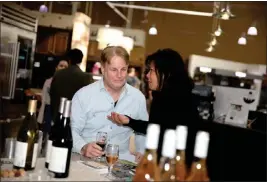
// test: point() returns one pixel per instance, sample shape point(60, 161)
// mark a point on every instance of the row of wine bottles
point(59, 145)
point(172, 165)
point(60, 142)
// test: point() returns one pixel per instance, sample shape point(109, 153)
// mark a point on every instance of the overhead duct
point(166, 10)
point(117, 11)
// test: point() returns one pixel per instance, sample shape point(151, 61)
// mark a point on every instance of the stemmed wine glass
point(101, 140)
point(112, 155)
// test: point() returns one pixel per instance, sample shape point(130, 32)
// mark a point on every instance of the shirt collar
point(125, 88)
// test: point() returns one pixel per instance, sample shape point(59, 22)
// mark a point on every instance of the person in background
point(172, 99)
point(132, 79)
point(44, 115)
point(92, 104)
point(68, 81)
point(96, 68)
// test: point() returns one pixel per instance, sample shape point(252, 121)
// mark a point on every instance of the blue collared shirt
point(90, 107)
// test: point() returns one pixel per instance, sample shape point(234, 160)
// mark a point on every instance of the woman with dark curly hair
point(172, 102)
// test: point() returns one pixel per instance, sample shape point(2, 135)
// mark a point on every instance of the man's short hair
point(75, 56)
point(110, 51)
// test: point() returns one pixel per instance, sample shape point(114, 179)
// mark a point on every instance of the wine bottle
point(198, 171)
point(147, 170)
point(167, 161)
point(54, 130)
point(181, 137)
point(61, 147)
point(26, 149)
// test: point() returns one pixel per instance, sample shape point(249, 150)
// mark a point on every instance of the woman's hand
point(118, 118)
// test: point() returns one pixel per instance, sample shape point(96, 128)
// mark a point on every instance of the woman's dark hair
point(59, 59)
point(170, 70)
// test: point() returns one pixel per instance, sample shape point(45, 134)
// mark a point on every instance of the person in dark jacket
point(172, 102)
point(68, 81)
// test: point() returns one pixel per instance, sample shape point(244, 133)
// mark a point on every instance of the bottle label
point(35, 154)
point(58, 159)
point(20, 154)
point(48, 151)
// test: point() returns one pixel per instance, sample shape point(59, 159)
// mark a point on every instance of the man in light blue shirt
point(92, 104)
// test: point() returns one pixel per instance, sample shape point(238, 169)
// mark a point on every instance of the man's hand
point(92, 150)
point(118, 118)
point(138, 157)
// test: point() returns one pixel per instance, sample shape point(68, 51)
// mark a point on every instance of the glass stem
point(109, 170)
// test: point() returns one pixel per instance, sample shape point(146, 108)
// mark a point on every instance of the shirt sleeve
point(41, 110)
point(78, 120)
point(143, 115)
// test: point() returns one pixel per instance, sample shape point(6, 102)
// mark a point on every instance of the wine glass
point(101, 140)
point(112, 155)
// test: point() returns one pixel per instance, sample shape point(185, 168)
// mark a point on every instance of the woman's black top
point(168, 109)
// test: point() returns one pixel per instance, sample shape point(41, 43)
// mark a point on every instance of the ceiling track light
point(214, 41)
point(225, 13)
point(210, 49)
point(218, 31)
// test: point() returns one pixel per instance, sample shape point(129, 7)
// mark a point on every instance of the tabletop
point(78, 172)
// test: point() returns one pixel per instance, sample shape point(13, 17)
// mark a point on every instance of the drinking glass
point(112, 155)
point(101, 140)
point(10, 148)
point(39, 175)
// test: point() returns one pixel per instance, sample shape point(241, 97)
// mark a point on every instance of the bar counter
point(78, 172)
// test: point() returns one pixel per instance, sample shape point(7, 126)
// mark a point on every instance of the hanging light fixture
point(242, 40)
point(252, 30)
point(225, 13)
point(43, 8)
point(153, 30)
point(218, 32)
point(229, 10)
point(214, 41)
point(107, 35)
point(210, 49)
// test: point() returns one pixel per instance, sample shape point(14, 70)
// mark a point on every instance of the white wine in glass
point(112, 155)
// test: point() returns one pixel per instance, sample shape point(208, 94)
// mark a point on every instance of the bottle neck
point(32, 107)
point(32, 113)
point(67, 108)
point(58, 118)
point(151, 154)
point(180, 155)
point(62, 105)
point(66, 121)
point(199, 163)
